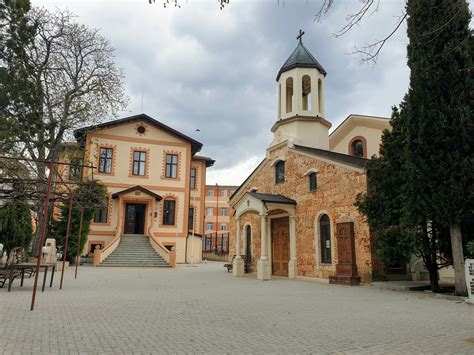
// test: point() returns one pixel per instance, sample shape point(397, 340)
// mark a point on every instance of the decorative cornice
point(302, 119)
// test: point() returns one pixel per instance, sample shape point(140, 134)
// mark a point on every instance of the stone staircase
point(135, 250)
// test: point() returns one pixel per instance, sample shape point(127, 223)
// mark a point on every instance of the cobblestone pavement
point(203, 309)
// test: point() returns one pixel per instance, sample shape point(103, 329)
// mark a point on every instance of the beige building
point(217, 208)
point(156, 186)
point(294, 215)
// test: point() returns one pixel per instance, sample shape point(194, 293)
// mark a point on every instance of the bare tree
point(77, 83)
point(371, 50)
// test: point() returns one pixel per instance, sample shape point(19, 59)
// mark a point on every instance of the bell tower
point(301, 100)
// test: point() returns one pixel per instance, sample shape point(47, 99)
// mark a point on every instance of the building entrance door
point(280, 246)
point(134, 218)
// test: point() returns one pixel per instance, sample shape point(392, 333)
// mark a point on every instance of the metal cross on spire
point(300, 36)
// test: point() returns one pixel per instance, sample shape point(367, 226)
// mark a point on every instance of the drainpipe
point(189, 205)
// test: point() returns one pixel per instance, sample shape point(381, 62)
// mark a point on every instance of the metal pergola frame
point(31, 193)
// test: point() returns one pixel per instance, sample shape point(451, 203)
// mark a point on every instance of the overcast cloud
point(200, 67)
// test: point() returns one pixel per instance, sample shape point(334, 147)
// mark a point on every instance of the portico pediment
point(254, 202)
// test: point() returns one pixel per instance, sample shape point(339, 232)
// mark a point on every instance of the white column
point(238, 263)
point(263, 265)
point(292, 264)
point(298, 92)
point(314, 96)
point(283, 99)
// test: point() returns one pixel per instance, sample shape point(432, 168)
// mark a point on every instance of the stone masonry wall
point(337, 188)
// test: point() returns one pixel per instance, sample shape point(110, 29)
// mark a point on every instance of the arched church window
point(325, 239)
point(306, 92)
point(357, 148)
point(248, 241)
point(289, 95)
point(280, 172)
point(320, 95)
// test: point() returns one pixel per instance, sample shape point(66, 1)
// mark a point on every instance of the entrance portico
point(269, 207)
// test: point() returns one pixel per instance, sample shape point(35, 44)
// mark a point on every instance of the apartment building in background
point(217, 209)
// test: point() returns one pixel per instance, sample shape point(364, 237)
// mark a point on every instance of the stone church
point(294, 215)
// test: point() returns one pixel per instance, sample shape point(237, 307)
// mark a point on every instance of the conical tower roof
point(301, 58)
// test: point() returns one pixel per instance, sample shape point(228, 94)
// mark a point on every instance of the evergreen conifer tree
point(15, 225)
point(440, 127)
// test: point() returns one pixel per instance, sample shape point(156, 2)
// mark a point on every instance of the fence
point(216, 243)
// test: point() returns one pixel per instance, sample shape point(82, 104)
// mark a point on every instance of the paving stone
point(204, 310)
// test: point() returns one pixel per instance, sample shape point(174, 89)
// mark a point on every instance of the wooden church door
point(280, 246)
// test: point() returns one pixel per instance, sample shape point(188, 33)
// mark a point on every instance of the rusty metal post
point(43, 232)
point(79, 241)
point(68, 228)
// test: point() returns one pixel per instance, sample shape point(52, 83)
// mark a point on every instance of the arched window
point(325, 239)
point(289, 95)
point(248, 241)
point(320, 95)
point(306, 92)
point(313, 182)
point(357, 147)
point(280, 172)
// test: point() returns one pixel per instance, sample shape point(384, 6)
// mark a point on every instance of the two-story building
point(156, 188)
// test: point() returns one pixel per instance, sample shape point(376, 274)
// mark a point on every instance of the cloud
point(200, 67)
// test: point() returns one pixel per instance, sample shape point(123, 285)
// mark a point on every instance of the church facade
point(294, 215)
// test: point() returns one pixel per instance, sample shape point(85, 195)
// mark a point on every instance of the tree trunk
point(434, 283)
point(39, 207)
point(458, 258)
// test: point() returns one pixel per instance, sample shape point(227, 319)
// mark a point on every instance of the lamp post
point(194, 209)
point(217, 215)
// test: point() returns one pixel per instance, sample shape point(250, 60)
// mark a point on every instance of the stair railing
point(101, 254)
point(168, 255)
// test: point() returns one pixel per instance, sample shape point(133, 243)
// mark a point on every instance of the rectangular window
point(139, 163)
point(193, 178)
point(75, 169)
point(224, 193)
point(224, 211)
point(105, 160)
point(169, 207)
point(210, 192)
point(223, 226)
point(171, 166)
point(191, 218)
point(100, 215)
point(280, 172)
point(313, 182)
point(210, 226)
point(210, 211)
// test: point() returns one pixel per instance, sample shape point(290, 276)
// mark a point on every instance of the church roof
point(301, 58)
point(342, 158)
point(270, 198)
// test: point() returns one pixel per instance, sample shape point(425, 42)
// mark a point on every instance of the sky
point(199, 67)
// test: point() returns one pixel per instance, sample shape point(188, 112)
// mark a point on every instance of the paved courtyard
point(203, 309)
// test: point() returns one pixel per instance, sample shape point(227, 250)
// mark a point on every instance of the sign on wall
point(469, 264)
